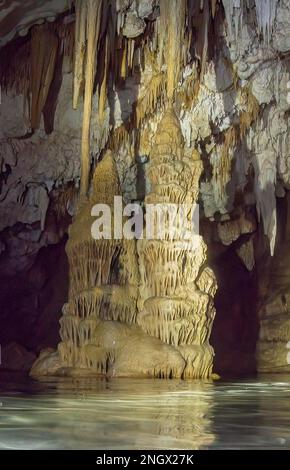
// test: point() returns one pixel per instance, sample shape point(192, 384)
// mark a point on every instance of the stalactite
point(103, 86)
point(96, 24)
point(225, 164)
point(265, 182)
point(44, 45)
point(27, 65)
point(213, 7)
point(266, 15)
point(199, 17)
point(93, 26)
point(80, 48)
point(131, 53)
point(66, 33)
point(222, 158)
point(172, 20)
point(15, 67)
point(124, 62)
point(187, 95)
point(234, 16)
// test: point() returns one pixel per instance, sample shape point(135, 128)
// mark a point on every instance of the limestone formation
point(172, 306)
point(103, 279)
point(99, 328)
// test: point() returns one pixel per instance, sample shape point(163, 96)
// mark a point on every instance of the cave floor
point(144, 414)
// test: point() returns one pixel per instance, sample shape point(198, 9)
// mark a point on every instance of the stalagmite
point(93, 295)
point(172, 308)
point(99, 334)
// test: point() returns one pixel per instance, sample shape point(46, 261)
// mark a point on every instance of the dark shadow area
point(31, 301)
point(235, 328)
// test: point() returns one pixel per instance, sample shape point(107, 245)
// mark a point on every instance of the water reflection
point(143, 414)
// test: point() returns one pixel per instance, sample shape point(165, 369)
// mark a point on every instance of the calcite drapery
point(174, 307)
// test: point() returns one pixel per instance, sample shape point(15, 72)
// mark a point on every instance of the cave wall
point(273, 342)
point(233, 106)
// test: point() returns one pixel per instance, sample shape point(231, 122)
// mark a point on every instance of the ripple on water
point(143, 414)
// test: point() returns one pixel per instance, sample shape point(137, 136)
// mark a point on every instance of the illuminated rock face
point(102, 330)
